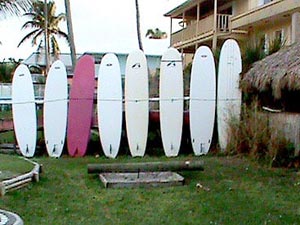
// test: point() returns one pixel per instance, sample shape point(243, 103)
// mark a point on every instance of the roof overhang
point(177, 11)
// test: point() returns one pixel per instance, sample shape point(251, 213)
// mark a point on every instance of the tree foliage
point(156, 34)
point(7, 69)
point(138, 25)
point(36, 22)
point(14, 7)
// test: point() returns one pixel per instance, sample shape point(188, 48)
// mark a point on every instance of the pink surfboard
point(81, 106)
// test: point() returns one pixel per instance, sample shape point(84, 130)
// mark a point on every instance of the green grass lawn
point(11, 166)
point(241, 192)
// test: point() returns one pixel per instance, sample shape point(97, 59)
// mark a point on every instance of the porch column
point(198, 18)
point(215, 38)
point(171, 30)
point(295, 27)
point(183, 26)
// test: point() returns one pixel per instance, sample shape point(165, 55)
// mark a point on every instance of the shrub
point(6, 71)
point(254, 136)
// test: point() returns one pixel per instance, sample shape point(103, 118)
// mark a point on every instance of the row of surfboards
point(71, 117)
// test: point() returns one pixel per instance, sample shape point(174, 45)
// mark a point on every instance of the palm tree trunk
point(70, 33)
point(138, 26)
point(46, 37)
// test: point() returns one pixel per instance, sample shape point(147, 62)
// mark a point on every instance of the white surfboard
point(171, 101)
point(56, 109)
point(137, 102)
point(229, 95)
point(109, 105)
point(24, 111)
point(202, 100)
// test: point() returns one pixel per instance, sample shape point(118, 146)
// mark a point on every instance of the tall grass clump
point(255, 136)
point(275, 45)
point(257, 48)
point(253, 50)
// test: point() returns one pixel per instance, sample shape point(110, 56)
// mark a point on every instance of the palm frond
point(14, 7)
point(55, 50)
point(38, 36)
point(37, 22)
point(28, 36)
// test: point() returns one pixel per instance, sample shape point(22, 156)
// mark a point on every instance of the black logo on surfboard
point(136, 66)
point(171, 64)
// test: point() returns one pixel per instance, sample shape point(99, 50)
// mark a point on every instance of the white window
point(263, 2)
point(265, 41)
point(279, 35)
point(267, 1)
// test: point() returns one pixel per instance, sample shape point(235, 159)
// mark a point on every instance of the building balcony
point(201, 31)
point(273, 11)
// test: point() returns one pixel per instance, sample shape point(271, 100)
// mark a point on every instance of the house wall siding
point(270, 28)
point(241, 6)
point(253, 4)
point(295, 36)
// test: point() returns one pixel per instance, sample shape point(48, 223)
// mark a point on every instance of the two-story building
point(210, 22)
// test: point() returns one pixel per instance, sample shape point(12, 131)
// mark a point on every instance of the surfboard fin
point(201, 147)
point(110, 149)
point(137, 147)
point(172, 147)
point(27, 149)
point(54, 148)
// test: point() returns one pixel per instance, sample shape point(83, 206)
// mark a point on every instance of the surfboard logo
point(136, 66)
point(171, 64)
point(109, 64)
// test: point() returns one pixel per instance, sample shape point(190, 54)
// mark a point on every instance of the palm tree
point(37, 23)
point(70, 32)
point(14, 7)
point(138, 26)
point(156, 34)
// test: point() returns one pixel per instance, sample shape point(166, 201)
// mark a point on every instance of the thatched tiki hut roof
point(275, 73)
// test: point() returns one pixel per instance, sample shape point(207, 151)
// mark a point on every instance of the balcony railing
point(204, 26)
point(223, 23)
